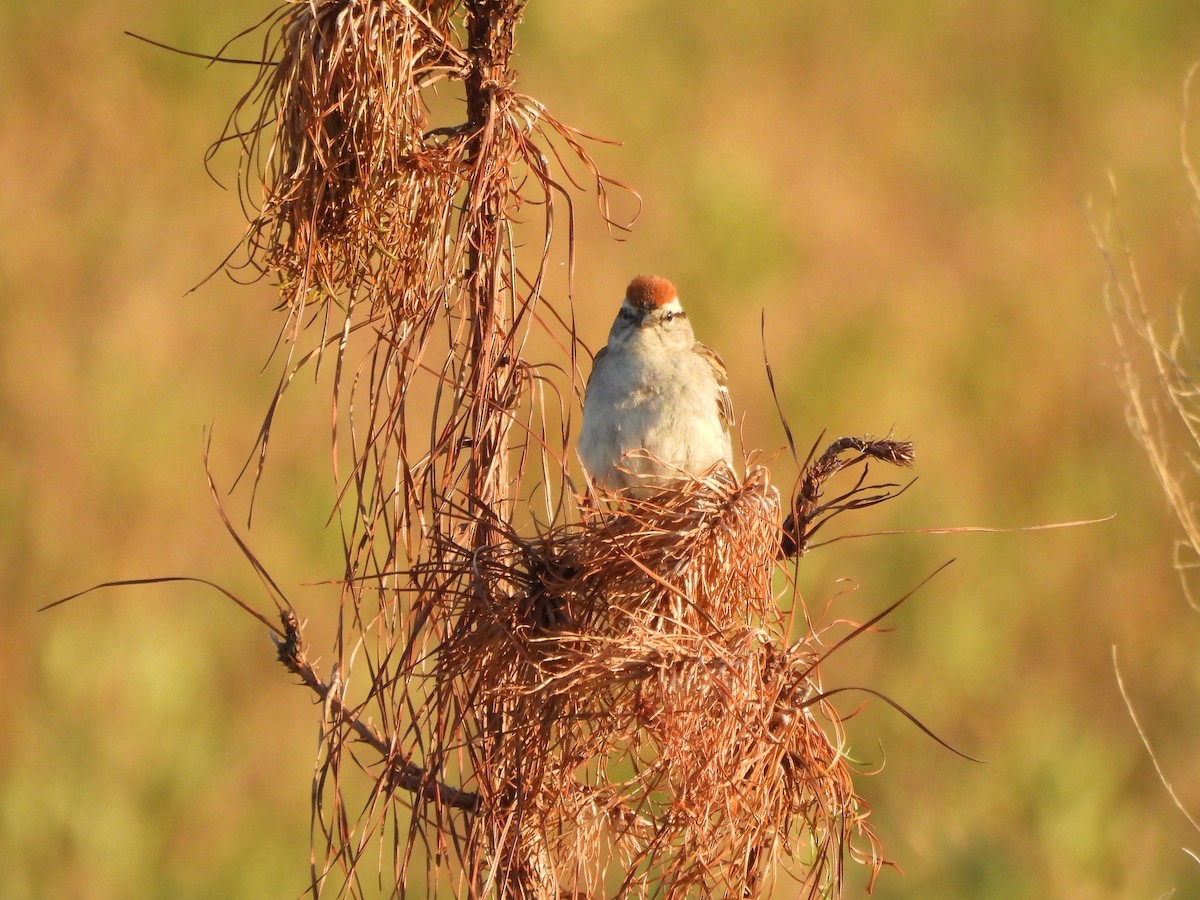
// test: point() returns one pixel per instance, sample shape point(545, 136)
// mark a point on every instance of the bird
point(656, 407)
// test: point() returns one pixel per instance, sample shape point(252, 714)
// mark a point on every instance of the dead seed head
point(810, 508)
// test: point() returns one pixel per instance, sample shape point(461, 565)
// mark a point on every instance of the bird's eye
point(669, 316)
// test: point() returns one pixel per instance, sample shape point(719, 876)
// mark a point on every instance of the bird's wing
point(724, 402)
point(595, 365)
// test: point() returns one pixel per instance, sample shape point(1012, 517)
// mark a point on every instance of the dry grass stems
point(611, 706)
point(1159, 373)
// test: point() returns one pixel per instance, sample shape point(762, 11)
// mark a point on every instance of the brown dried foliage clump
point(342, 174)
point(615, 703)
point(653, 724)
point(358, 182)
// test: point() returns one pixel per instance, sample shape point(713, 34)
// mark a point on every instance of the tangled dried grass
point(632, 719)
point(611, 707)
point(348, 182)
point(655, 731)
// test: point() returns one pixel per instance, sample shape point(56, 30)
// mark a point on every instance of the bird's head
point(651, 307)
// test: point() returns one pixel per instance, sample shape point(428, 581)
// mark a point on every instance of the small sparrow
point(656, 407)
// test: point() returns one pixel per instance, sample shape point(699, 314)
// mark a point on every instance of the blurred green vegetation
point(903, 191)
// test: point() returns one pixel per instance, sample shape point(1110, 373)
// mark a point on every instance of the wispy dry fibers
point(603, 701)
point(1159, 373)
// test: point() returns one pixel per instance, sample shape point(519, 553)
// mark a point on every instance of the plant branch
point(404, 773)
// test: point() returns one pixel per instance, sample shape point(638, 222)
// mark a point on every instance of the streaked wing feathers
point(724, 402)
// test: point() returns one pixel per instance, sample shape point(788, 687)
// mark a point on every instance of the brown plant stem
point(404, 773)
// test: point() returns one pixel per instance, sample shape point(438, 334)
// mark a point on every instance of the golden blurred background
point(906, 193)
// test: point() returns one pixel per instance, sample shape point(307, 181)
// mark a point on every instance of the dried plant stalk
point(1159, 373)
point(609, 708)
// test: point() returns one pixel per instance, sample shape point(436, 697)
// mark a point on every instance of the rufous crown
point(649, 292)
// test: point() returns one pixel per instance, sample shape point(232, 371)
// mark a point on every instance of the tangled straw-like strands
point(336, 136)
point(658, 732)
point(615, 705)
point(361, 190)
